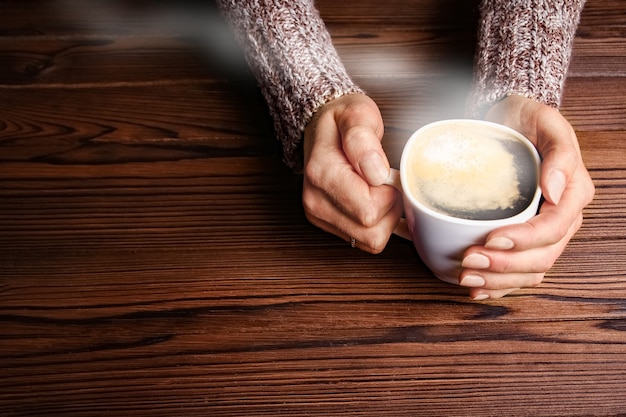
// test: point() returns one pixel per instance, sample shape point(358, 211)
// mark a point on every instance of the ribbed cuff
point(524, 48)
point(294, 61)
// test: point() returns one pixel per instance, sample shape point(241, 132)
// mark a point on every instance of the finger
point(508, 269)
point(481, 295)
point(361, 130)
point(485, 284)
point(498, 282)
point(337, 184)
point(365, 206)
point(553, 221)
point(369, 239)
point(558, 145)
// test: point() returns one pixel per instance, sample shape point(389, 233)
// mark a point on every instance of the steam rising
point(195, 21)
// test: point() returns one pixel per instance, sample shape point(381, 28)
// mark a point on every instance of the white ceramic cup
point(440, 239)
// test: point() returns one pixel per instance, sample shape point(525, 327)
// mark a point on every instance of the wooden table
point(155, 259)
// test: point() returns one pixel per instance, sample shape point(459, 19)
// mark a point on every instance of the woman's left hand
point(519, 255)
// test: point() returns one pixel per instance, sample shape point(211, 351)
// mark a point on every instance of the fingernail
point(476, 261)
point(556, 186)
point(480, 297)
point(472, 281)
point(374, 169)
point(500, 243)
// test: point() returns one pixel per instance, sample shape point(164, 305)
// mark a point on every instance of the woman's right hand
point(345, 168)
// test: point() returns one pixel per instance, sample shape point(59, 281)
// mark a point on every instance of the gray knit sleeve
point(294, 61)
point(524, 47)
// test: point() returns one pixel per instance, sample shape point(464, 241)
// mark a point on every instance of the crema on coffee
point(471, 173)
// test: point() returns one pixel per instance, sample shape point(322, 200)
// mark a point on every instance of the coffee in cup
point(474, 172)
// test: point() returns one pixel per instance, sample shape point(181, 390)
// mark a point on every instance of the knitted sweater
point(524, 48)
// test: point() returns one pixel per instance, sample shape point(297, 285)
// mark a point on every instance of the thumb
point(361, 128)
point(558, 145)
point(553, 136)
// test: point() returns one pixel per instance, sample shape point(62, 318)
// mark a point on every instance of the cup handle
point(402, 228)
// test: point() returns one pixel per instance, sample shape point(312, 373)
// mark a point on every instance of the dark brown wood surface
point(155, 259)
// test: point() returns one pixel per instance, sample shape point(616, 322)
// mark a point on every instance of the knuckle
point(312, 219)
point(357, 134)
point(313, 173)
point(579, 221)
point(377, 242)
point(367, 217)
point(570, 153)
point(536, 279)
point(309, 201)
point(560, 231)
point(356, 109)
point(310, 205)
point(377, 250)
point(590, 191)
point(539, 265)
point(544, 264)
point(502, 265)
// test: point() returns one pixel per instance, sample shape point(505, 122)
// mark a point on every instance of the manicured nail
point(500, 243)
point(480, 297)
point(374, 169)
point(476, 261)
point(556, 185)
point(472, 281)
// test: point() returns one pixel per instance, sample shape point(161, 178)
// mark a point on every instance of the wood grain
point(155, 259)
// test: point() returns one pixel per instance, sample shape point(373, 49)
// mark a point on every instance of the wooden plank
point(591, 103)
point(110, 18)
point(119, 18)
point(93, 125)
point(429, 14)
point(599, 57)
point(84, 62)
point(326, 361)
point(603, 18)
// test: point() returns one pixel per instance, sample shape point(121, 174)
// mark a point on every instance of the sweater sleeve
point(294, 62)
point(524, 48)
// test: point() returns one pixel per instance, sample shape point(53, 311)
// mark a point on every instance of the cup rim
point(518, 218)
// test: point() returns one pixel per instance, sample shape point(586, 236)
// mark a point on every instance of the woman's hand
point(344, 168)
point(519, 256)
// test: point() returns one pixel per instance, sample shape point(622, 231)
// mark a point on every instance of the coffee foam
point(465, 171)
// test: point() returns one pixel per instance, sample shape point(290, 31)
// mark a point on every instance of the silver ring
point(353, 242)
